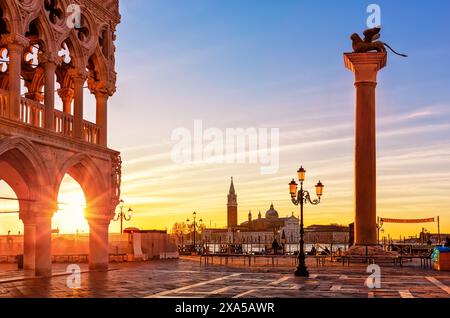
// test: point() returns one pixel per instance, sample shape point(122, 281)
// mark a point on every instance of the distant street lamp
point(379, 228)
point(301, 197)
point(123, 216)
point(194, 225)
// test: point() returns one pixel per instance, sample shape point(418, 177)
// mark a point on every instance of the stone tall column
point(66, 95)
point(78, 78)
point(29, 246)
point(15, 44)
point(43, 244)
point(29, 239)
point(50, 62)
point(98, 243)
point(365, 66)
point(101, 97)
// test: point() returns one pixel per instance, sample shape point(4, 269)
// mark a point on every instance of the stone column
point(66, 95)
point(29, 240)
point(50, 62)
point(29, 247)
point(78, 78)
point(98, 243)
point(43, 244)
point(101, 97)
point(15, 44)
point(35, 115)
point(365, 66)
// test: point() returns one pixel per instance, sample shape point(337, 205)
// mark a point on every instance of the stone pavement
point(186, 279)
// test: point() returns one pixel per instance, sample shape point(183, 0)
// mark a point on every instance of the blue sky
point(279, 64)
point(238, 57)
point(249, 63)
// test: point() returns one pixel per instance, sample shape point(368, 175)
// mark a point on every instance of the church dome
point(271, 213)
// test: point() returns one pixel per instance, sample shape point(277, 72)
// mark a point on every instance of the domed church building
point(271, 221)
point(261, 230)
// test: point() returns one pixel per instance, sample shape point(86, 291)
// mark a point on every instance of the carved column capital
point(78, 75)
point(66, 93)
point(15, 42)
point(50, 58)
point(37, 210)
point(37, 96)
point(365, 66)
point(100, 218)
point(102, 88)
point(27, 217)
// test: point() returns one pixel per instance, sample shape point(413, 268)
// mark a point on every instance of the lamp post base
point(301, 272)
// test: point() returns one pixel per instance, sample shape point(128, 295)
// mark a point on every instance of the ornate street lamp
point(379, 228)
point(123, 216)
point(194, 225)
point(301, 197)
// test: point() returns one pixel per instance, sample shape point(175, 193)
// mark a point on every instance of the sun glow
point(70, 215)
point(8, 222)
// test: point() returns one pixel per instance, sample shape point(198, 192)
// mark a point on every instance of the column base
point(43, 272)
point(301, 272)
point(99, 266)
point(43, 249)
point(98, 245)
point(29, 248)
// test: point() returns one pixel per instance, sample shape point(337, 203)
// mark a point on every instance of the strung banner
point(429, 220)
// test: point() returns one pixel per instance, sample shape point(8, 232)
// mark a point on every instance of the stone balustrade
point(91, 132)
point(63, 123)
point(33, 113)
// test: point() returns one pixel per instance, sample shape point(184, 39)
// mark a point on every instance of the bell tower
point(232, 207)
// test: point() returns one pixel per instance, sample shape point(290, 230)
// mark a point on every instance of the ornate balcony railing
point(63, 123)
point(91, 132)
point(33, 113)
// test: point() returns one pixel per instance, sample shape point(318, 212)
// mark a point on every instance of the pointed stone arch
point(98, 66)
point(87, 34)
point(46, 33)
point(85, 172)
point(26, 164)
point(25, 171)
point(11, 15)
point(75, 49)
point(26, 158)
point(29, 10)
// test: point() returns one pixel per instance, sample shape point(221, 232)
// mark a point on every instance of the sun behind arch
point(71, 202)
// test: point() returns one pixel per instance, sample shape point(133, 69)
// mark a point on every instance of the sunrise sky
point(274, 64)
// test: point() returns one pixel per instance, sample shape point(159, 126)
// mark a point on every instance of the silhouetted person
point(313, 251)
point(275, 246)
point(447, 242)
